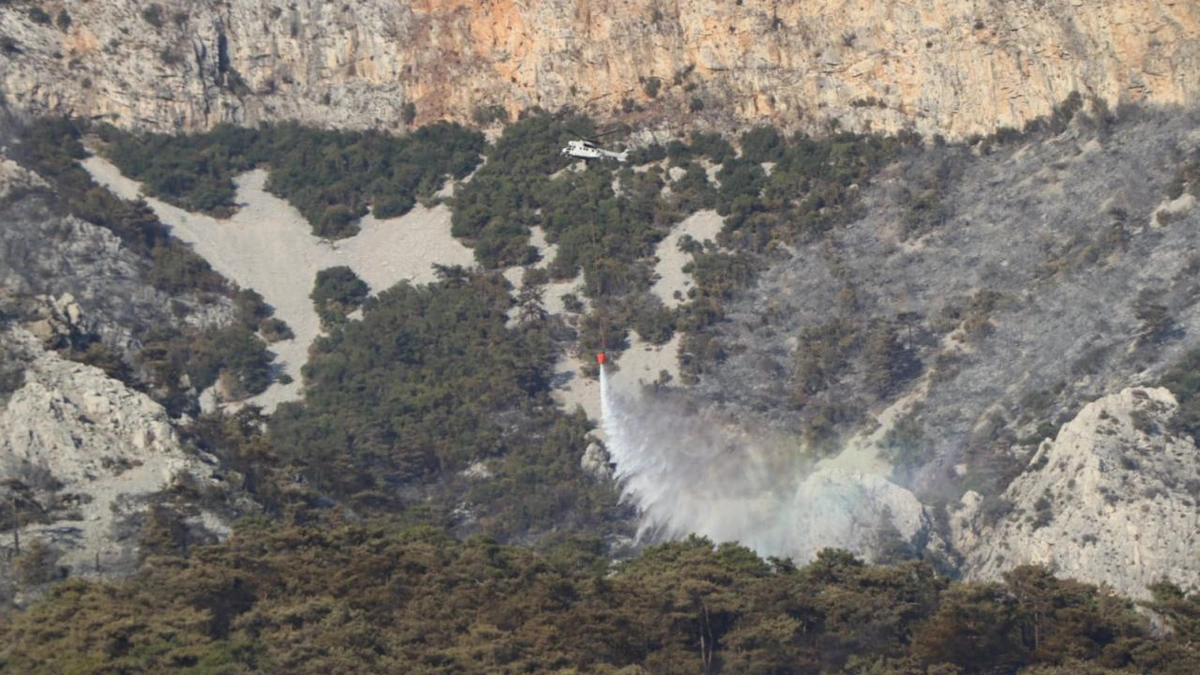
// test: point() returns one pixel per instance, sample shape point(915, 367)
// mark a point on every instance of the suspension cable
point(592, 206)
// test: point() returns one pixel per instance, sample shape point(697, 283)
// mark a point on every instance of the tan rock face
point(948, 66)
point(74, 435)
point(14, 178)
point(1113, 499)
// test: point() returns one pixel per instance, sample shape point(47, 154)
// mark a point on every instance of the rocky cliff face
point(949, 66)
point(862, 513)
point(66, 278)
point(1112, 499)
point(85, 454)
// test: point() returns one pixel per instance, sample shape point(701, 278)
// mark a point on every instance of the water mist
point(687, 472)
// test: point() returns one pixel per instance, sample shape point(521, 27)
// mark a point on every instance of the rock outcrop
point(67, 279)
point(82, 454)
point(863, 513)
point(596, 463)
point(1113, 499)
point(948, 66)
point(15, 179)
point(85, 453)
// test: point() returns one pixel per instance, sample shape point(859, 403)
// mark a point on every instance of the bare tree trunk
point(16, 526)
point(706, 642)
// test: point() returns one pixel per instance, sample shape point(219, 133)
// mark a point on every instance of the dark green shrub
point(393, 206)
point(39, 16)
point(339, 286)
point(153, 14)
point(274, 330)
point(762, 144)
point(651, 87)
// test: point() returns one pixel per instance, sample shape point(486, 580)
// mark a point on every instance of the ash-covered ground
point(1024, 279)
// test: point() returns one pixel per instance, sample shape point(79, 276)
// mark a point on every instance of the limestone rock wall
point(863, 513)
point(1113, 499)
point(949, 66)
point(89, 452)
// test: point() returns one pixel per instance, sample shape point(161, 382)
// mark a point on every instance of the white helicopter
point(589, 150)
point(586, 147)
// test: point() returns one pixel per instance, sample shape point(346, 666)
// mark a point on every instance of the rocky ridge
point(67, 278)
point(85, 453)
point(1114, 499)
point(82, 455)
point(14, 178)
point(953, 67)
point(863, 513)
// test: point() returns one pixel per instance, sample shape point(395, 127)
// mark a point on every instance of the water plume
point(691, 472)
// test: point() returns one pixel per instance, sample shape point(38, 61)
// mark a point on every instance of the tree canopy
point(349, 598)
point(332, 177)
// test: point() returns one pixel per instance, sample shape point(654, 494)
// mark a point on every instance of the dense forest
point(330, 176)
point(431, 381)
point(377, 547)
point(336, 597)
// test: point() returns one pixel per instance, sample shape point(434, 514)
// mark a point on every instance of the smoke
point(689, 472)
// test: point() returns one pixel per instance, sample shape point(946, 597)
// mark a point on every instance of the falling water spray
point(688, 472)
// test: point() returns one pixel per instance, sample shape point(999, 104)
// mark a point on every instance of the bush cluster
point(332, 177)
point(52, 147)
point(344, 598)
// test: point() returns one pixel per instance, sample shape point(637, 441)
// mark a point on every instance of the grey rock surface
point(89, 452)
point(67, 277)
point(1113, 499)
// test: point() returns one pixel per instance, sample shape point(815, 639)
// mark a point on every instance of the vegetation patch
point(336, 292)
point(332, 177)
point(52, 148)
point(337, 597)
point(429, 382)
point(1183, 379)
